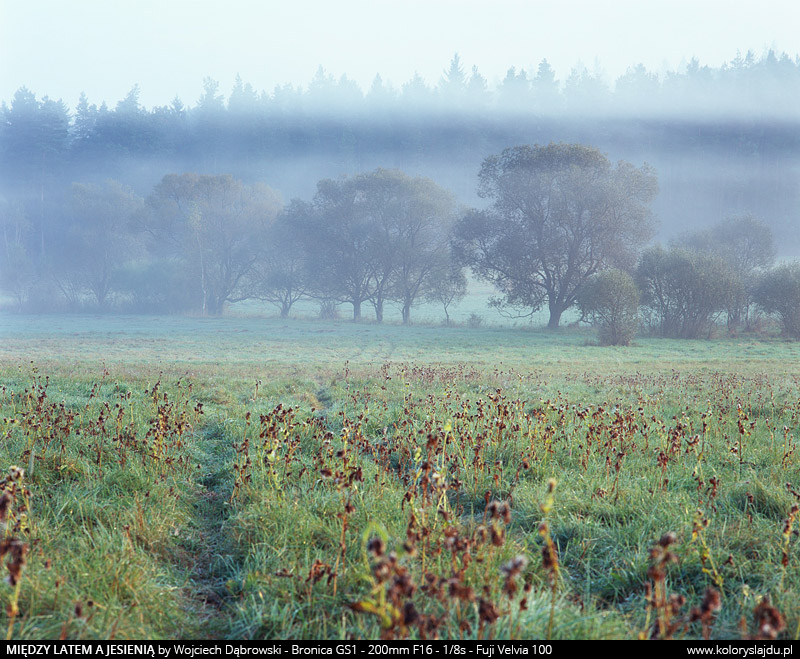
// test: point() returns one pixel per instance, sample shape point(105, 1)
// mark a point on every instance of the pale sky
point(104, 47)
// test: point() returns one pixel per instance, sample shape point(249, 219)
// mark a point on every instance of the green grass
point(249, 344)
point(216, 512)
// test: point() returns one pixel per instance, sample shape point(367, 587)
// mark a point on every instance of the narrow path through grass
point(213, 562)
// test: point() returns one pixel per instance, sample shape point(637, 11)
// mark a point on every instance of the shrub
point(328, 309)
point(778, 292)
point(474, 321)
point(685, 291)
point(610, 300)
point(157, 286)
point(746, 245)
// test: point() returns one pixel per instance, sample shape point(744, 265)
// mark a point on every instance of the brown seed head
point(514, 566)
point(769, 621)
point(376, 546)
point(487, 612)
point(668, 539)
point(498, 536)
point(549, 559)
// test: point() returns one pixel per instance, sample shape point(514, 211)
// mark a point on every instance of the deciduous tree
point(100, 237)
point(778, 292)
point(746, 244)
point(684, 291)
point(280, 274)
point(376, 237)
point(215, 224)
point(558, 215)
point(610, 300)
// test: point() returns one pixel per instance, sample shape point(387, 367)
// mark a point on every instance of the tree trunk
point(555, 316)
point(379, 310)
point(213, 306)
point(406, 312)
point(102, 299)
point(356, 311)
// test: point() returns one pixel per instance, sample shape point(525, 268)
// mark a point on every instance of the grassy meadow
point(251, 477)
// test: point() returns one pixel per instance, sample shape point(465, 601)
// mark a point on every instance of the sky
point(61, 48)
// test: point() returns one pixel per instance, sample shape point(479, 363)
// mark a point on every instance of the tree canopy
point(683, 290)
point(215, 224)
point(559, 214)
point(376, 237)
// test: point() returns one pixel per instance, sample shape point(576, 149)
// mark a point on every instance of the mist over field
point(722, 141)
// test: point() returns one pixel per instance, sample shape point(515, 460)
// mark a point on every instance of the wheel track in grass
point(212, 563)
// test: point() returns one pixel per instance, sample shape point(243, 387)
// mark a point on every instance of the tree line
point(567, 229)
point(723, 138)
point(200, 242)
point(563, 228)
